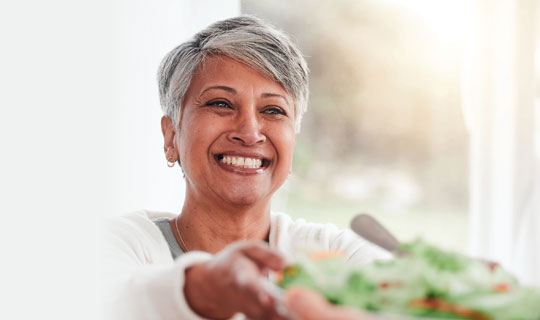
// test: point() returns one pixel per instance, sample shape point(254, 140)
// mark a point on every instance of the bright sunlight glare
point(450, 20)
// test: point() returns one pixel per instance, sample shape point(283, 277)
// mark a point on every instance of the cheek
point(189, 138)
point(196, 135)
point(285, 146)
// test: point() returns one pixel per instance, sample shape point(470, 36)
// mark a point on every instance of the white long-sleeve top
point(142, 281)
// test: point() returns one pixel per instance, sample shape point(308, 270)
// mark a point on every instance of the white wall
point(80, 138)
point(144, 31)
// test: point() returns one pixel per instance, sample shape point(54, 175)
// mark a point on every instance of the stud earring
point(170, 162)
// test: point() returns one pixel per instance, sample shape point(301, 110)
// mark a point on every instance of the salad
point(424, 282)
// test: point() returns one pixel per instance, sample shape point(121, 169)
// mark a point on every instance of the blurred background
point(385, 132)
point(422, 113)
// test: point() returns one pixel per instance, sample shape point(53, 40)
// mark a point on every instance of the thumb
point(305, 304)
point(308, 305)
point(263, 255)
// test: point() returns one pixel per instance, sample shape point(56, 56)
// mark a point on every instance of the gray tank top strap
point(165, 228)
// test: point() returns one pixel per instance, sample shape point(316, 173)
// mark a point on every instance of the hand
point(307, 305)
point(232, 282)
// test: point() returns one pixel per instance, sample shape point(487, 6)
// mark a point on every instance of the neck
point(210, 228)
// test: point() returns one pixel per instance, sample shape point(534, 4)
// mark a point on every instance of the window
point(385, 132)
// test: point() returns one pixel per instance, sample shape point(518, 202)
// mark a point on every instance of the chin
point(243, 199)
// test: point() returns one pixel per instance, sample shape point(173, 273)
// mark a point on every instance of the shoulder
point(136, 234)
point(298, 229)
point(140, 218)
point(135, 224)
point(292, 236)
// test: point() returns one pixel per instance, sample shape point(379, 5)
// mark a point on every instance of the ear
point(169, 131)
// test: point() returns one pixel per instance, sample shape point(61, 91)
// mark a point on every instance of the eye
point(219, 104)
point(274, 110)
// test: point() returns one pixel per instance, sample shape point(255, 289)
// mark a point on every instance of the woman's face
point(236, 134)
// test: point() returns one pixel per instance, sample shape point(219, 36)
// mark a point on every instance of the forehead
point(221, 70)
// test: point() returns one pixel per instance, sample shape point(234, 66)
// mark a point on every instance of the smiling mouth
point(240, 162)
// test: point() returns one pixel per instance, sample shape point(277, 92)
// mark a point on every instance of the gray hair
point(246, 39)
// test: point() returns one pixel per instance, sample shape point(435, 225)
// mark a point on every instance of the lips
point(242, 162)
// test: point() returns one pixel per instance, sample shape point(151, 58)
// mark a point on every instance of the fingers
point(245, 263)
point(259, 304)
point(252, 285)
point(237, 276)
point(262, 255)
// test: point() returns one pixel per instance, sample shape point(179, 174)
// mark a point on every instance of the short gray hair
point(246, 39)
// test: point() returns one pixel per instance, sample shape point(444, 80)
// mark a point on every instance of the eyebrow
point(225, 88)
point(272, 95)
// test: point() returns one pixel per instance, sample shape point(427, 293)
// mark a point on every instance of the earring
point(170, 162)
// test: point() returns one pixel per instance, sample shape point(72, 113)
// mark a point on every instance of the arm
point(137, 285)
point(293, 236)
point(196, 286)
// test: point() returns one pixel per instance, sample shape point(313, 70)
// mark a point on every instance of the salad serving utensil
point(373, 231)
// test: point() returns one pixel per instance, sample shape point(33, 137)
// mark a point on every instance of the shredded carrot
point(502, 287)
point(443, 306)
point(323, 255)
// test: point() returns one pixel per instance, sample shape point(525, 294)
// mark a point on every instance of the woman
point(233, 98)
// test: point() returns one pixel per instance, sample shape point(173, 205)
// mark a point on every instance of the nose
point(247, 130)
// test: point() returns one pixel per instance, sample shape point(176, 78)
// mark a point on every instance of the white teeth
point(242, 162)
